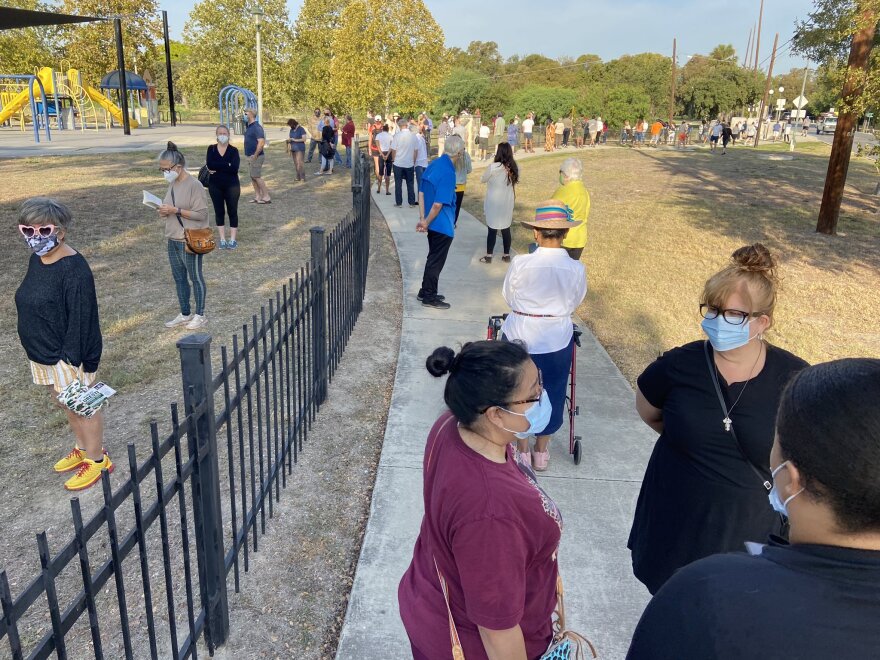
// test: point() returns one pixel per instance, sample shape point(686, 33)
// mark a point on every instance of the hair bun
point(171, 146)
point(755, 258)
point(439, 363)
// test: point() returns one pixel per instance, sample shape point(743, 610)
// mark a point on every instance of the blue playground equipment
point(233, 101)
point(39, 110)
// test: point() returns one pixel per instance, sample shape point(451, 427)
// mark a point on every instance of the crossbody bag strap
point(175, 206)
point(712, 372)
point(457, 651)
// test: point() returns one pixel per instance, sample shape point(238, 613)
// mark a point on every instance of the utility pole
point(672, 94)
point(168, 68)
point(123, 87)
point(758, 39)
point(748, 58)
point(766, 91)
point(841, 148)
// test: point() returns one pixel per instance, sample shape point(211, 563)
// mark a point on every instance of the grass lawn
point(663, 221)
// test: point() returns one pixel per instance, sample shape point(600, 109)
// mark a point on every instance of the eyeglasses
point(513, 403)
point(29, 231)
point(732, 316)
point(167, 169)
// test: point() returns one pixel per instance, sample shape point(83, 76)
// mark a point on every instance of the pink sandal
point(540, 459)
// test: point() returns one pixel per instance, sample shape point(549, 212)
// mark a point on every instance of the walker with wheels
point(574, 441)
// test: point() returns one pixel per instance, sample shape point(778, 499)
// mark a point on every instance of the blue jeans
point(419, 171)
point(348, 157)
point(404, 174)
point(186, 267)
point(336, 157)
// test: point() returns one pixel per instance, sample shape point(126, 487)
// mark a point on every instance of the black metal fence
point(261, 406)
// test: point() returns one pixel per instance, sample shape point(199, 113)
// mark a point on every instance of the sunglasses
point(29, 231)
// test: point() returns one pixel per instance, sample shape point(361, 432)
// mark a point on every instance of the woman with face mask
point(713, 403)
point(489, 531)
point(224, 186)
point(183, 207)
point(59, 329)
point(543, 290)
point(817, 596)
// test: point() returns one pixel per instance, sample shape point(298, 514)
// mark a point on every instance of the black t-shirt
point(699, 495)
point(798, 602)
point(58, 313)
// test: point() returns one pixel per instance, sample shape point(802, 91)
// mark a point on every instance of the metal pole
point(120, 65)
point(319, 313)
point(168, 68)
point(259, 75)
point(766, 91)
point(758, 38)
point(672, 94)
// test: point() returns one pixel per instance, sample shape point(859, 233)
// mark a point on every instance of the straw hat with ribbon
point(552, 214)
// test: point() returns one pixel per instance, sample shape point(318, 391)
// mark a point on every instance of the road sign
point(780, 104)
point(869, 115)
point(800, 102)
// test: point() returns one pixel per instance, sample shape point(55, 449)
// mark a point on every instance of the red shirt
point(374, 148)
point(347, 133)
point(495, 536)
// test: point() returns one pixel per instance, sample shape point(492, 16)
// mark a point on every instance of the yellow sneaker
point(70, 462)
point(88, 474)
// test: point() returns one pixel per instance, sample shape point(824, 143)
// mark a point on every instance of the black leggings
point(228, 195)
point(505, 240)
point(459, 195)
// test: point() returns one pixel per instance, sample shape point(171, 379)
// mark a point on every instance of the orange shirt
point(656, 127)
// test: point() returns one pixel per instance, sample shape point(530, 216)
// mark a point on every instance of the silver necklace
point(728, 423)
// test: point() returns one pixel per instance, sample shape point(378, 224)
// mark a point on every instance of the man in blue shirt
point(437, 218)
point(254, 142)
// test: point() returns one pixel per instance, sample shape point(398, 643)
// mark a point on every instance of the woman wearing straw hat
point(543, 289)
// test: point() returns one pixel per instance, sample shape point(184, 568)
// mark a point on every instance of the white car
point(826, 125)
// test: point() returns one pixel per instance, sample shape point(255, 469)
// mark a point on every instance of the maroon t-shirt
point(495, 534)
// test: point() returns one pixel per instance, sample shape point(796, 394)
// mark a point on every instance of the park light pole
point(779, 104)
point(258, 20)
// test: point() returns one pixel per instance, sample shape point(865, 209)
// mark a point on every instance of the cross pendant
point(727, 423)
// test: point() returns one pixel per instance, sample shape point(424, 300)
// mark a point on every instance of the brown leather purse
point(198, 241)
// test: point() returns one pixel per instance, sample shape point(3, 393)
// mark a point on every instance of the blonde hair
point(753, 272)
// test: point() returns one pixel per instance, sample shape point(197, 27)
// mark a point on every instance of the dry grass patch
point(663, 221)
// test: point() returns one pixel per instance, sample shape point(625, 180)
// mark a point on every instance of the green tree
point(223, 51)
point(545, 102)
point(462, 89)
point(382, 61)
point(314, 33)
point(91, 47)
point(482, 56)
point(649, 72)
point(711, 86)
point(626, 102)
point(27, 49)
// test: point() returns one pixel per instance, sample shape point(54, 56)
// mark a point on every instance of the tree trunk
point(841, 148)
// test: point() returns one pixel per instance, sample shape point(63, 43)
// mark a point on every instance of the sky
point(607, 28)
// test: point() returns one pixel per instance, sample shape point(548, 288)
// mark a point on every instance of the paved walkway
point(597, 498)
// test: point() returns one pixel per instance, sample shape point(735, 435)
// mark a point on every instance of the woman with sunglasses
point(543, 290)
point(714, 405)
point(59, 329)
point(490, 534)
point(184, 207)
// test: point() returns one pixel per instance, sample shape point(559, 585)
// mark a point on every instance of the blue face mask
point(538, 416)
point(775, 500)
point(725, 336)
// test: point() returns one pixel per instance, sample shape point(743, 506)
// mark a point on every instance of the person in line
point(499, 130)
point(704, 488)
point(385, 159)
point(254, 145)
point(512, 135)
point(59, 329)
point(297, 139)
point(558, 132)
point(328, 151)
point(336, 137)
point(715, 135)
point(437, 219)
point(566, 131)
point(224, 187)
point(490, 534)
point(577, 132)
point(550, 135)
point(403, 153)
point(347, 138)
point(641, 127)
point(463, 166)
point(805, 126)
point(656, 129)
point(821, 590)
point(183, 207)
point(528, 126)
point(726, 136)
point(373, 131)
point(543, 290)
point(484, 141)
point(444, 130)
point(626, 134)
point(421, 155)
point(574, 195)
point(500, 178)
point(777, 130)
point(683, 133)
point(315, 125)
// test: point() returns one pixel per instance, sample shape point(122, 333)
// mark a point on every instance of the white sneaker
point(180, 319)
point(197, 322)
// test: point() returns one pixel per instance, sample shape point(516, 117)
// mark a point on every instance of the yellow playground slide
point(108, 105)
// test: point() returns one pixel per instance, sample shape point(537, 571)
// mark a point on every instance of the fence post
point(319, 313)
point(195, 363)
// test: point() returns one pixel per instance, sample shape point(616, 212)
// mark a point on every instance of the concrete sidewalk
point(597, 498)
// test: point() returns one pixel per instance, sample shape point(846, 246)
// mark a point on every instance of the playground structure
point(233, 101)
point(39, 98)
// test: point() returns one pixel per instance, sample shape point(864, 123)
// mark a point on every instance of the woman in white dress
point(500, 178)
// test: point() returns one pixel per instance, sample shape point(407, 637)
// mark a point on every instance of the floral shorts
point(60, 375)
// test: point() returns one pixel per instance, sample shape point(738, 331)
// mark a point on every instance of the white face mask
point(223, 138)
point(171, 175)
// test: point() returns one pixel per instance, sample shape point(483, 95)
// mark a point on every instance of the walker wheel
point(577, 410)
point(577, 452)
